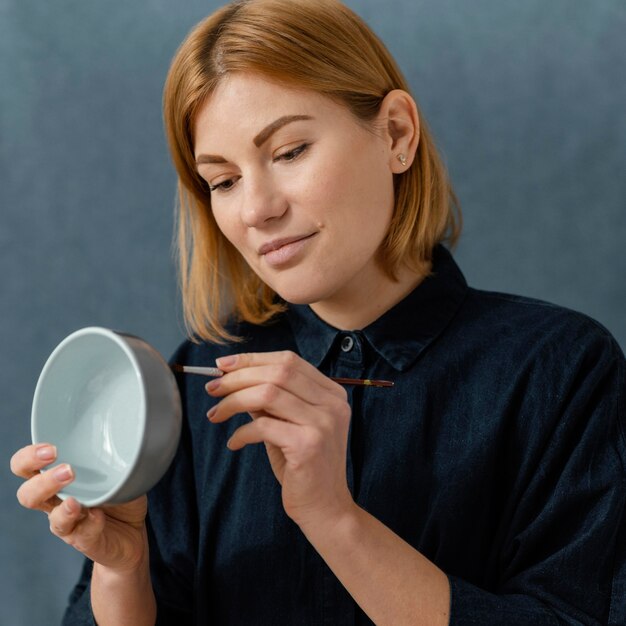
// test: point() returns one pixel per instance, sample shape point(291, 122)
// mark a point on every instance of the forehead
point(243, 104)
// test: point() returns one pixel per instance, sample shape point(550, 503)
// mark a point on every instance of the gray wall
point(526, 99)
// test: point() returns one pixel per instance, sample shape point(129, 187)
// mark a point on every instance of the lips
point(276, 244)
point(284, 252)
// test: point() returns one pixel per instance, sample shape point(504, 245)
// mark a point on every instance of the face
point(298, 186)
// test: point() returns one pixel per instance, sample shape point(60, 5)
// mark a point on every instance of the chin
point(301, 293)
point(297, 297)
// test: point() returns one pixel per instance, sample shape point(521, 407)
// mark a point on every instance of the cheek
point(328, 189)
point(356, 193)
point(313, 184)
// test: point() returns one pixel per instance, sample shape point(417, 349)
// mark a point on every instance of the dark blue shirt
point(499, 454)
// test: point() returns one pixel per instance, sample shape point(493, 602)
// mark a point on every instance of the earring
point(402, 159)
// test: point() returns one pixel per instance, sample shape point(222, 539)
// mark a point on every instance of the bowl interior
point(89, 402)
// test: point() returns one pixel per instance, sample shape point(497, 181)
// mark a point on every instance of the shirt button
point(347, 343)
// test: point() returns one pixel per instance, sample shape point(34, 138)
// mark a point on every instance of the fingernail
point(70, 506)
point(213, 385)
point(228, 444)
point(46, 453)
point(212, 412)
point(226, 361)
point(63, 473)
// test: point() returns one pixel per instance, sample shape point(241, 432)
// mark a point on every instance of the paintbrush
point(216, 372)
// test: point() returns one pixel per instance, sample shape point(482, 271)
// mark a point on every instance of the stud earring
point(402, 159)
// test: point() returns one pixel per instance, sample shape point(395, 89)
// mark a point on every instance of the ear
point(399, 121)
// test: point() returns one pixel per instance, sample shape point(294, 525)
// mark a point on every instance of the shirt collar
point(403, 332)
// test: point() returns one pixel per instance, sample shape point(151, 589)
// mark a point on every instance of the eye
point(293, 154)
point(225, 185)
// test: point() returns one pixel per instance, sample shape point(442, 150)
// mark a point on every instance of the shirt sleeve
point(563, 559)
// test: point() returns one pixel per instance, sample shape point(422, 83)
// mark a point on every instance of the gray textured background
point(526, 99)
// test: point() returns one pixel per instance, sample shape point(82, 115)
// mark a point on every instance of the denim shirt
point(498, 454)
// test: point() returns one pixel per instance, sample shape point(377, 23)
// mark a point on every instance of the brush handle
point(203, 371)
point(363, 382)
point(215, 372)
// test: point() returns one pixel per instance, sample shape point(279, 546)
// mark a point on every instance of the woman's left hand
point(303, 418)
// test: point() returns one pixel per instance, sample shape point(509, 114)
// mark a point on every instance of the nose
point(262, 201)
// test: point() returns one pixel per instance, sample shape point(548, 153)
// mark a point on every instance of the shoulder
point(562, 370)
point(542, 353)
point(535, 323)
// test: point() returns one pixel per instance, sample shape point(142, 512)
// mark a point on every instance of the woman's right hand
point(113, 536)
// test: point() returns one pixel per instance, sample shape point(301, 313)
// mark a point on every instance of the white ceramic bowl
point(110, 404)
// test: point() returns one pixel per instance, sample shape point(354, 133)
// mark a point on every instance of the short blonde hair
point(319, 45)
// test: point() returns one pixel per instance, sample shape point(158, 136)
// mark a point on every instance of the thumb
point(87, 536)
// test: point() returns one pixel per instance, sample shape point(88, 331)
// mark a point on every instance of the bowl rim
point(119, 339)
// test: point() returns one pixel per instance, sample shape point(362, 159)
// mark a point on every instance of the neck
point(360, 307)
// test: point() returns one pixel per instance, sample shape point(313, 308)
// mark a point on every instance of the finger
point(286, 357)
point(39, 492)
point(27, 461)
point(268, 430)
point(285, 376)
point(65, 516)
point(270, 399)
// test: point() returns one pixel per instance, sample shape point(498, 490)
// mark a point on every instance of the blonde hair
point(319, 45)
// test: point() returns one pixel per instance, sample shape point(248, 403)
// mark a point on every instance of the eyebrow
point(270, 129)
point(260, 139)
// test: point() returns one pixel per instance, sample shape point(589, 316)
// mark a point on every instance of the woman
point(485, 487)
